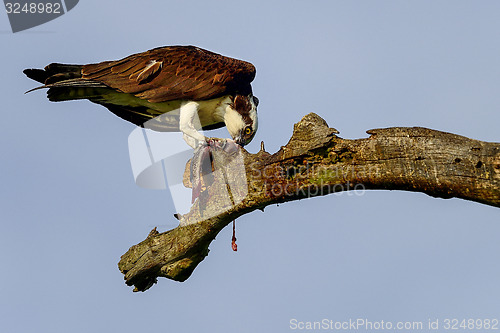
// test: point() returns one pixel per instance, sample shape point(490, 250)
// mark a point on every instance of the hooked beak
point(239, 140)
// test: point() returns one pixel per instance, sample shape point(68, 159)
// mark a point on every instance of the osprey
point(171, 88)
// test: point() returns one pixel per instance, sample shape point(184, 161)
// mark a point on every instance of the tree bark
point(317, 162)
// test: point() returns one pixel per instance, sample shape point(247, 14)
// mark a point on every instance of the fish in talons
point(203, 163)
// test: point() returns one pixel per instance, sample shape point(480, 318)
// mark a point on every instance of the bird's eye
point(248, 130)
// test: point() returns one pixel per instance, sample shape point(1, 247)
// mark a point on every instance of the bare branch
point(317, 162)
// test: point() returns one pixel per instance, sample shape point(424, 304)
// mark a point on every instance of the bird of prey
point(171, 88)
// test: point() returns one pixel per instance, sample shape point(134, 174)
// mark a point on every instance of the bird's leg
point(188, 124)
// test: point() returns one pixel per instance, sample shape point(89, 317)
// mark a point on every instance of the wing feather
point(174, 72)
point(147, 73)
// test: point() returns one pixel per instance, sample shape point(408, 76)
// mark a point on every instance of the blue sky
point(70, 208)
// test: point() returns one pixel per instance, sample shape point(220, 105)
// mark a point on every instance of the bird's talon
point(216, 142)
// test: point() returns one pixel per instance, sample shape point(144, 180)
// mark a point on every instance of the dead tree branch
point(317, 162)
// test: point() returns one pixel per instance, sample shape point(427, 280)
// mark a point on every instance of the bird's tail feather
point(54, 73)
point(64, 82)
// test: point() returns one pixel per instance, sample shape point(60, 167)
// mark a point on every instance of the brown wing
point(174, 72)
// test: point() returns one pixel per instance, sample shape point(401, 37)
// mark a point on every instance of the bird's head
point(241, 118)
